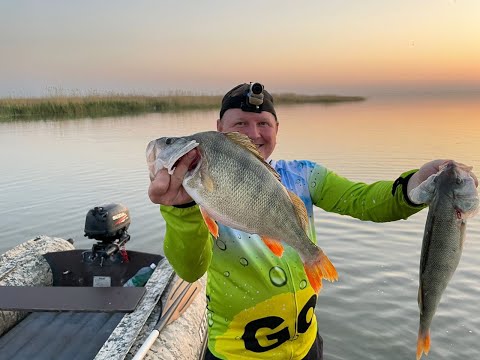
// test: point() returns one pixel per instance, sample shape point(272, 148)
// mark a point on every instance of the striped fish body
point(452, 198)
point(233, 185)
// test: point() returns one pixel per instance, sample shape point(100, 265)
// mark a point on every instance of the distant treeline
point(114, 105)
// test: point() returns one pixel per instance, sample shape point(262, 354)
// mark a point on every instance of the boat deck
point(59, 335)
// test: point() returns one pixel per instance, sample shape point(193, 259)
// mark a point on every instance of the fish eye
point(169, 141)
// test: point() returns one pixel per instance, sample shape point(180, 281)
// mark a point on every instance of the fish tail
point(320, 268)
point(423, 343)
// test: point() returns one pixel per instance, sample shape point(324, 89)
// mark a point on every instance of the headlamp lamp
point(254, 98)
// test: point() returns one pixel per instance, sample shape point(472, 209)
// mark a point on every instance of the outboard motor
point(108, 225)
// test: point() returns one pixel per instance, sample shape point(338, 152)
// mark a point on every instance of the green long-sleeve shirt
point(256, 300)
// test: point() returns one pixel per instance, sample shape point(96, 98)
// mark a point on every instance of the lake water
point(53, 172)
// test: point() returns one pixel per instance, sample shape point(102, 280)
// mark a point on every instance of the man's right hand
point(167, 189)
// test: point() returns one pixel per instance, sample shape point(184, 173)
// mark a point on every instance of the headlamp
point(254, 97)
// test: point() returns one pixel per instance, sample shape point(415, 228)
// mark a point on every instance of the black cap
point(248, 98)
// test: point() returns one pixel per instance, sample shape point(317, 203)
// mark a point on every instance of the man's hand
point(167, 189)
point(426, 171)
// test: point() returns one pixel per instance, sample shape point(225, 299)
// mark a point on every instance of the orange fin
point(318, 269)
point(211, 224)
point(274, 245)
point(423, 343)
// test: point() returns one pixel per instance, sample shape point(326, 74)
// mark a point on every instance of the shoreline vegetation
point(92, 106)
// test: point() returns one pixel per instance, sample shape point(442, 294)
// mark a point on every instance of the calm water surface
point(53, 172)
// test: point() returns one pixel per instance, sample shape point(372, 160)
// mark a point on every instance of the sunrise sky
point(361, 47)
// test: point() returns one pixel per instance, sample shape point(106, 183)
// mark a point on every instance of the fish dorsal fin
point(300, 209)
point(244, 140)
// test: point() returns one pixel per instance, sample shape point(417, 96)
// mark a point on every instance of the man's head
point(248, 109)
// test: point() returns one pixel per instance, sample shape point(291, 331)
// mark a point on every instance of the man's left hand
point(428, 169)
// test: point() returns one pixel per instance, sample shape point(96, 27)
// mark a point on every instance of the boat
point(59, 302)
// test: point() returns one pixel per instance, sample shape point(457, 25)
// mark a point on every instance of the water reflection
point(53, 172)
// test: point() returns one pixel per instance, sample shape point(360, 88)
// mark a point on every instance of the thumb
point(425, 171)
point(183, 166)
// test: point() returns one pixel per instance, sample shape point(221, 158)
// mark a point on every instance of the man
point(261, 306)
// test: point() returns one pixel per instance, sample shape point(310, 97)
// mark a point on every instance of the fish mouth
point(192, 166)
point(172, 164)
point(195, 161)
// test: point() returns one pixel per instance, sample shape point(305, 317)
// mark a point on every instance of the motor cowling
point(107, 223)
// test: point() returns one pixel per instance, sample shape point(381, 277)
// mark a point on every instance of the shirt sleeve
point(379, 201)
point(188, 243)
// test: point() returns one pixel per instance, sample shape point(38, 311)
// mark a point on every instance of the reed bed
point(112, 105)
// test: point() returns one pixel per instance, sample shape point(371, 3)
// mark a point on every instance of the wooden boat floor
point(59, 335)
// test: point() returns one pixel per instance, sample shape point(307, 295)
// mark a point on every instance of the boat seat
point(59, 335)
point(68, 298)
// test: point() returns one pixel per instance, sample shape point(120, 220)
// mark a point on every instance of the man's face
point(261, 128)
